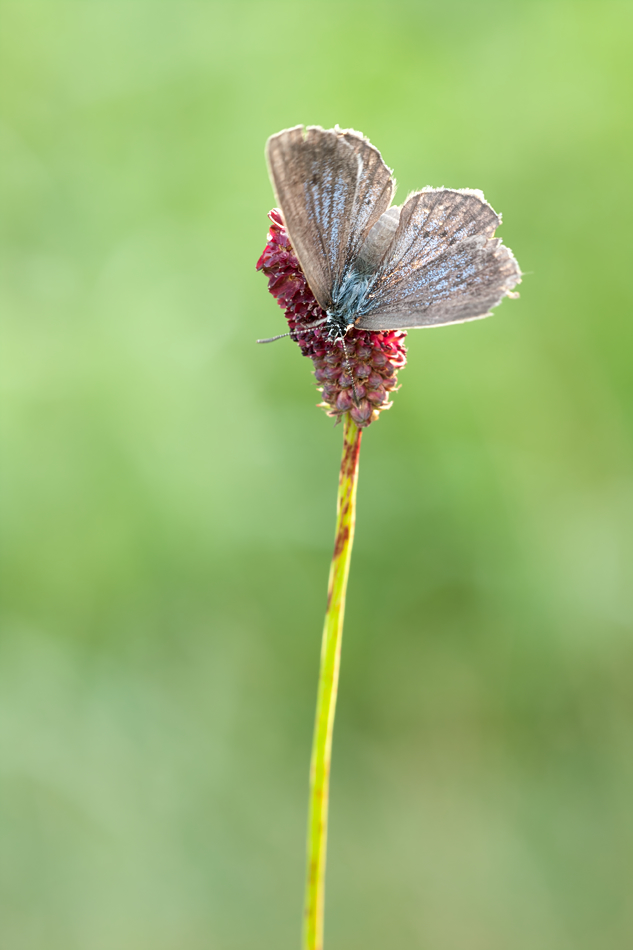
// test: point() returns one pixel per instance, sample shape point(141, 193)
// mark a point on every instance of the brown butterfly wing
point(444, 265)
point(332, 186)
point(374, 193)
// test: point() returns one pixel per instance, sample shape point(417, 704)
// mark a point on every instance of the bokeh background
point(169, 488)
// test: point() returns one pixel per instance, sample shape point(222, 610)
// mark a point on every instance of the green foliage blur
point(169, 488)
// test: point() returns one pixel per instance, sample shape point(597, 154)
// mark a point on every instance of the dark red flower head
point(360, 384)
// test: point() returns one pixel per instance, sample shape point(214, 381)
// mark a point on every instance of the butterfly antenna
point(271, 339)
point(310, 326)
point(349, 369)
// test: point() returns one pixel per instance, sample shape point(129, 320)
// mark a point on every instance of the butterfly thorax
point(350, 298)
point(347, 302)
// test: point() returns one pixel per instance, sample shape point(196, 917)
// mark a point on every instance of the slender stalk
point(328, 687)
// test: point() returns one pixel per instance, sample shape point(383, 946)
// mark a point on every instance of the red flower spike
point(374, 357)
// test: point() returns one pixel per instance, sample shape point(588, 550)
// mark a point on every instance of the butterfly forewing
point(444, 266)
point(315, 177)
point(332, 186)
point(436, 217)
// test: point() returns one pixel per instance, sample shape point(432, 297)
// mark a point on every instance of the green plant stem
point(328, 687)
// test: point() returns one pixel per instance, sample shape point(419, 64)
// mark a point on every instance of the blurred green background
point(169, 488)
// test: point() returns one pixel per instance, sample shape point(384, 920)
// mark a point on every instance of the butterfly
point(373, 265)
